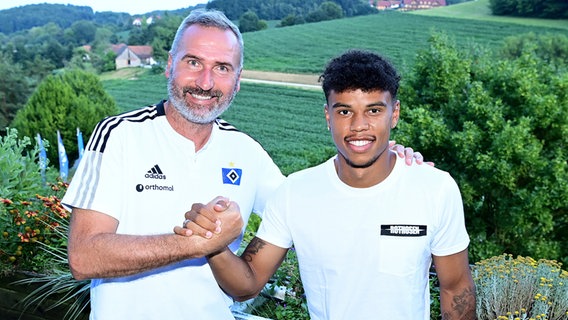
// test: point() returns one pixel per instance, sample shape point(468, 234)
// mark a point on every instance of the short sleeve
point(451, 234)
point(274, 227)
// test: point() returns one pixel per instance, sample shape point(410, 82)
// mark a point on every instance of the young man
point(360, 257)
point(143, 169)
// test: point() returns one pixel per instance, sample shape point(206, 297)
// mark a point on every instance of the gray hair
point(209, 18)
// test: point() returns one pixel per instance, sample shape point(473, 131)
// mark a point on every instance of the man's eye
point(343, 112)
point(193, 63)
point(374, 111)
point(223, 69)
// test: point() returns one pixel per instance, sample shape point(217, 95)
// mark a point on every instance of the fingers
point(220, 204)
point(399, 149)
point(195, 227)
point(201, 220)
point(190, 228)
point(417, 157)
point(183, 231)
point(204, 220)
point(408, 154)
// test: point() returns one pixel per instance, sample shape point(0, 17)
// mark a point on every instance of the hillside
point(479, 10)
point(306, 48)
point(34, 15)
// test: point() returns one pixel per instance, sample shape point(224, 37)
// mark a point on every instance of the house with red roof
point(133, 56)
point(406, 5)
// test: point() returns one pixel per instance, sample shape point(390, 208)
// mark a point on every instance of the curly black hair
point(360, 69)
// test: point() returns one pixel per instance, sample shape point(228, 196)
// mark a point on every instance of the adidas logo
point(155, 173)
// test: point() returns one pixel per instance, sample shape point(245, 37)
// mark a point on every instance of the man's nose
point(205, 80)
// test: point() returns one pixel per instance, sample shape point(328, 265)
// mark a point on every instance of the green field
point(277, 117)
point(306, 48)
point(479, 10)
point(289, 122)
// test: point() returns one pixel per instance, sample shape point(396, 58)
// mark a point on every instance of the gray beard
point(188, 110)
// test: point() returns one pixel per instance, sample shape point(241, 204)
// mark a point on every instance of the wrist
point(218, 253)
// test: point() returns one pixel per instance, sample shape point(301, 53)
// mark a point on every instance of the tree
point(82, 32)
point(500, 127)
point(279, 9)
point(14, 90)
point(108, 61)
point(291, 20)
point(327, 11)
point(138, 36)
point(249, 22)
point(551, 48)
point(66, 101)
point(551, 9)
point(162, 33)
point(84, 60)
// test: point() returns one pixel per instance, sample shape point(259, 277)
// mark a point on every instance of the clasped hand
point(220, 218)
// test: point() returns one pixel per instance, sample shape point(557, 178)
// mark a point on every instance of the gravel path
point(294, 80)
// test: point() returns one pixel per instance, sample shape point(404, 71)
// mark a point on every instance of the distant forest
point(36, 40)
point(25, 17)
point(36, 15)
point(29, 16)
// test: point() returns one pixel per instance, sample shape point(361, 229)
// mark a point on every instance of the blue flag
point(42, 156)
point(63, 162)
point(80, 144)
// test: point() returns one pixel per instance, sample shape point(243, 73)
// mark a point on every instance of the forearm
point(234, 275)
point(108, 255)
point(458, 304)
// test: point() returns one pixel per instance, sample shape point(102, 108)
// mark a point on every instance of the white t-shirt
point(137, 169)
point(365, 253)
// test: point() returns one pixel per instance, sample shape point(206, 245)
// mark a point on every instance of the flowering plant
point(520, 288)
point(25, 224)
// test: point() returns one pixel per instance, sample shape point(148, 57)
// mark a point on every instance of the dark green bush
point(66, 101)
point(499, 125)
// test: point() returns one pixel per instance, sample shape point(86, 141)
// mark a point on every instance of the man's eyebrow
point(340, 105)
point(219, 63)
point(370, 105)
point(189, 56)
point(378, 104)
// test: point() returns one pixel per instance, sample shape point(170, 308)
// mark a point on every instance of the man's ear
point(395, 114)
point(169, 65)
point(238, 86)
point(326, 114)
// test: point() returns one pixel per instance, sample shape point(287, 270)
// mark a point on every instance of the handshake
point(219, 221)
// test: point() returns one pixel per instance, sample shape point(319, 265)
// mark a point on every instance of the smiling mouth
point(359, 143)
point(202, 94)
point(201, 97)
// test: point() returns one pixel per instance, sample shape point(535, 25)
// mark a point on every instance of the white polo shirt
point(365, 253)
point(137, 169)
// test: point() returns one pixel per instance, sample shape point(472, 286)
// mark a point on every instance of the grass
point(479, 10)
point(306, 48)
point(134, 88)
point(298, 113)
